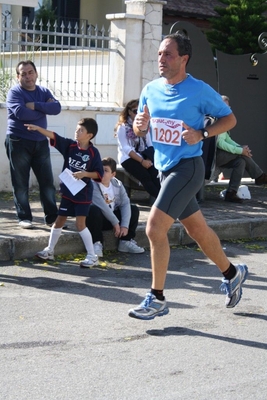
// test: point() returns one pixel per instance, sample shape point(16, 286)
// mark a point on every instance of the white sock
point(88, 241)
point(53, 239)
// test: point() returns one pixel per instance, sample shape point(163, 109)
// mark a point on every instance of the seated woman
point(135, 154)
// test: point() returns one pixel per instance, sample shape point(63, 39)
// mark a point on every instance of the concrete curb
point(70, 242)
point(229, 220)
point(16, 248)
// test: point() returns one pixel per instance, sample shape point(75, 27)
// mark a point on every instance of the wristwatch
point(205, 133)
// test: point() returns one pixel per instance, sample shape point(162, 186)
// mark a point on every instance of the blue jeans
point(23, 155)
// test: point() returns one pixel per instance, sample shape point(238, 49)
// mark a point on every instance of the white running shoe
point(25, 224)
point(45, 254)
point(89, 261)
point(130, 246)
point(98, 249)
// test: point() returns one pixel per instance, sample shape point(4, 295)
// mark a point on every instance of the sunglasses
point(134, 110)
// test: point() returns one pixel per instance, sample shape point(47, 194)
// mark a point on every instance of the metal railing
point(73, 60)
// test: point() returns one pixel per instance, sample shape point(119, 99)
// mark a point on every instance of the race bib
point(167, 131)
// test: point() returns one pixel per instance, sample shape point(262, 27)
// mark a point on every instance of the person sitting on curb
point(111, 208)
point(83, 161)
point(230, 154)
point(135, 154)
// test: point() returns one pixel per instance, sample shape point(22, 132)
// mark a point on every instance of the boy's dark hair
point(24, 63)
point(90, 125)
point(110, 162)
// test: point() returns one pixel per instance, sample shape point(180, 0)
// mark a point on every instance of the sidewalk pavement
point(229, 220)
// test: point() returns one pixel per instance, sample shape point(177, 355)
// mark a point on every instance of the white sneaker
point(89, 261)
point(46, 254)
point(130, 246)
point(98, 249)
point(25, 224)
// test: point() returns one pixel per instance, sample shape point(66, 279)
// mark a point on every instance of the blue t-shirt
point(171, 105)
point(77, 159)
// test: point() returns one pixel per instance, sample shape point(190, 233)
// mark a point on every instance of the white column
point(152, 10)
point(138, 33)
point(126, 63)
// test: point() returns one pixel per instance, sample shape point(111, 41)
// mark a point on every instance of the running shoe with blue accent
point(233, 288)
point(150, 308)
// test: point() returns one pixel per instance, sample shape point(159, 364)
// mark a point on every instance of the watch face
point(205, 133)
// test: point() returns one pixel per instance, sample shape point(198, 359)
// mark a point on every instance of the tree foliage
point(45, 13)
point(238, 26)
point(45, 18)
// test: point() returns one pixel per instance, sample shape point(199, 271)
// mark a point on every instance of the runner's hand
point(191, 135)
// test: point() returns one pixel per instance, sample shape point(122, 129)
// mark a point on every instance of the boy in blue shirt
point(83, 160)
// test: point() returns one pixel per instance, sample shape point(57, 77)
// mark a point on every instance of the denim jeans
point(23, 155)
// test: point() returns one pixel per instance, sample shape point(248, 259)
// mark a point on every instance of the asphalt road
point(65, 333)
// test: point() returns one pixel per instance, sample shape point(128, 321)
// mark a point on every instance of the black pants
point(96, 222)
point(148, 177)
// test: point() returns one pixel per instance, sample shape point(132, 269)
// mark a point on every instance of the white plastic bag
point(243, 193)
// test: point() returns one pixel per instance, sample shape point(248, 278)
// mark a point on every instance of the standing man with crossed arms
point(28, 103)
point(173, 109)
